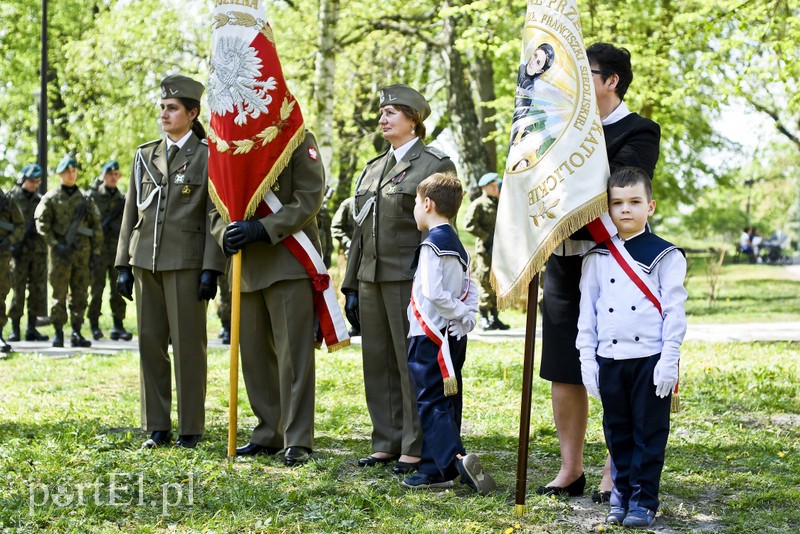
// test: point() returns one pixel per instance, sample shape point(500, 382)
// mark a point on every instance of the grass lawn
point(70, 457)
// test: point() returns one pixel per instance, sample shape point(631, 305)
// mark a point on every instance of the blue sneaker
point(423, 481)
point(616, 515)
point(473, 475)
point(639, 518)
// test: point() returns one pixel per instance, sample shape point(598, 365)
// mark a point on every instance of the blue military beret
point(66, 163)
point(31, 171)
point(110, 165)
point(488, 178)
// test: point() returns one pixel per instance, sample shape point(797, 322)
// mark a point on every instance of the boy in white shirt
point(442, 311)
point(629, 351)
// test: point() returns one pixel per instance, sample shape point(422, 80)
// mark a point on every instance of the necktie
point(173, 150)
point(390, 161)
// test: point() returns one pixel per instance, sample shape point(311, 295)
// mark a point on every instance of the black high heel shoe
point(575, 489)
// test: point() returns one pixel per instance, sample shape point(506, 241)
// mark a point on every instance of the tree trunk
point(324, 78)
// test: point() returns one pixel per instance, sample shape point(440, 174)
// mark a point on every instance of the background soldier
point(70, 224)
point(324, 226)
point(110, 203)
point(11, 229)
point(479, 221)
point(224, 309)
point(343, 225)
point(27, 264)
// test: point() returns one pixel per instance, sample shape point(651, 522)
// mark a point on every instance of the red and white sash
point(332, 326)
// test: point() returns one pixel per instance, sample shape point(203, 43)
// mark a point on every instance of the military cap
point(179, 86)
point(488, 178)
point(110, 165)
point(31, 171)
point(65, 163)
point(404, 95)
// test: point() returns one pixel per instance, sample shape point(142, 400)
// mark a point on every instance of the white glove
point(590, 373)
point(459, 329)
point(665, 374)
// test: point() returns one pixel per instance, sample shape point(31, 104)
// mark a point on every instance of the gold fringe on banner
point(571, 223)
point(450, 386)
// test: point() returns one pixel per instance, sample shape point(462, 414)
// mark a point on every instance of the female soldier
point(166, 251)
point(378, 279)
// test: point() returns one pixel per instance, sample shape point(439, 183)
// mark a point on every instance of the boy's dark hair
point(628, 176)
point(446, 192)
point(612, 60)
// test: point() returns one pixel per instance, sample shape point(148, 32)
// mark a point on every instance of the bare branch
point(774, 116)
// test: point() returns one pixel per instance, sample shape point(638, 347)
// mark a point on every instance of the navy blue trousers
point(439, 416)
point(636, 426)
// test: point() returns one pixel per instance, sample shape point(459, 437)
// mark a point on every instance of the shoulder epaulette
point(204, 141)
point(436, 153)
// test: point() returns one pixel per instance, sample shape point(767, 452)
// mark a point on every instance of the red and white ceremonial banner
point(557, 168)
point(255, 121)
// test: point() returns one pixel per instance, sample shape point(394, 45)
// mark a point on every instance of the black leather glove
point(240, 233)
point(125, 282)
point(351, 308)
point(62, 251)
point(207, 289)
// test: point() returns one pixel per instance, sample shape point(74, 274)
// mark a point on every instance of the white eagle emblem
point(233, 81)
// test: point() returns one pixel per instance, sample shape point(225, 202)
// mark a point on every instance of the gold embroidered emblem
point(186, 191)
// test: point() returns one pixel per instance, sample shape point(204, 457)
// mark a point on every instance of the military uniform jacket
point(169, 228)
point(480, 221)
point(383, 245)
point(55, 213)
point(12, 225)
point(300, 188)
point(107, 203)
point(26, 203)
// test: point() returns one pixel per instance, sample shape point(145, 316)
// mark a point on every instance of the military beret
point(488, 178)
point(31, 171)
point(65, 163)
point(404, 95)
point(179, 86)
point(110, 165)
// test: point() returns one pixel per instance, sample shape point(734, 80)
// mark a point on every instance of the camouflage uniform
point(27, 265)
point(11, 230)
point(224, 309)
point(343, 225)
point(109, 203)
point(69, 265)
point(325, 239)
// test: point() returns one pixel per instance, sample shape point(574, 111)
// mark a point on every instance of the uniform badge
point(180, 177)
point(392, 190)
point(186, 191)
point(312, 153)
point(276, 187)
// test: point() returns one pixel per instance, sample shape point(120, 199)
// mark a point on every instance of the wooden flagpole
point(527, 390)
point(233, 396)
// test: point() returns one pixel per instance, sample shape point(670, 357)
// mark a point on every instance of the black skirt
point(560, 311)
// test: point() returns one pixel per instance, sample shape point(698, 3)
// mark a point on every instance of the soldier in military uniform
point(343, 225)
point(479, 221)
point(110, 202)
point(224, 309)
point(11, 230)
point(377, 283)
point(278, 310)
point(166, 251)
point(324, 226)
point(70, 224)
point(29, 270)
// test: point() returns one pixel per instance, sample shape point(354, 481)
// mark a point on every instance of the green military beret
point(31, 171)
point(488, 178)
point(179, 86)
point(404, 95)
point(66, 163)
point(110, 165)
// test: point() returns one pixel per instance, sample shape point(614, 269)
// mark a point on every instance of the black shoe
point(4, 347)
point(188, 441)
point(371, 461)
point(119, 332)
point(97, 333)
point(353, 332)
point(14, 335)
point(226, 336)
point(58, 339)
point(497, 324)
point(31, 334)
point(159, 438)
point(254, 449)
point(404, 468)
point(78, 340)
point(601, 497)
point(296, 456)
point(574, 489)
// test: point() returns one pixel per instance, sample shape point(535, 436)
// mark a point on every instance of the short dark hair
point(628, 176)
point(445, 190)
point(612, 60)
point(416, 117)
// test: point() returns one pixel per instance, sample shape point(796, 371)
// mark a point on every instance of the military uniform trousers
point(224, 305)
point(5, 284)
point(167, 307)
point(391, 399)
point(29, 272)
point(482, 271)
point(103, 270)
point(439, 415)
point(277, 341)
point(636, 426)
point(69, 276)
